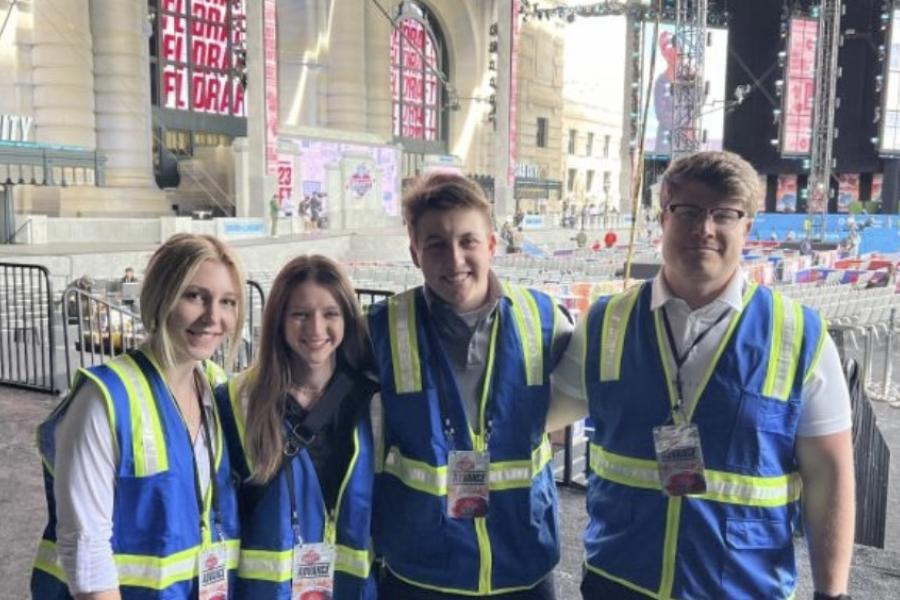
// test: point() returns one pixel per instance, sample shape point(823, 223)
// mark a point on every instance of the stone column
point(378, 72)
point(122, 90)
point(63, 73)
point(504, 200)
point(347, 67)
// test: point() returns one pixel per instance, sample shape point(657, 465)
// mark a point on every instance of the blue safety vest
point(156, 534)
point(517, 544)
point(734, 541)
point(268, 537)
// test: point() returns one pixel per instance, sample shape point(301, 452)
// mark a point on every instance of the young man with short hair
point(714, 401)
point(466, 504)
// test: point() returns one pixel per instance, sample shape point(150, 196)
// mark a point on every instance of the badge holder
point(467, 492)
point(679, 459)
point(312, 571)
point(213, 570)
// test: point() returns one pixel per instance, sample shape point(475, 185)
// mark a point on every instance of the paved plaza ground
point(875, 574)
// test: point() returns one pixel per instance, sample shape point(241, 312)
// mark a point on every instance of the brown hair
point(269, 377)
point(441, 192)
point(725, 172)
point(170, 271)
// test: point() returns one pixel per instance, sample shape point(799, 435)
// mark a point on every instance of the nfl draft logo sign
point(361, 181)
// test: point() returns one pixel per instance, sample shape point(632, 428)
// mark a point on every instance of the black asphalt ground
point(875, 574)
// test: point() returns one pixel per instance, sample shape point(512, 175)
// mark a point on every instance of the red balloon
point(610, 239)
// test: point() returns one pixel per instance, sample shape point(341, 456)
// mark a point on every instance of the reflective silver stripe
point(266, 565)
point(354, 562)
point(721, 486)
point(152, 457)
point(615, 322)
point(404, 342)
point(503, 475)
point(528, 324)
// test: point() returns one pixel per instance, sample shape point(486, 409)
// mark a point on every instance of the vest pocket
point(759, 559)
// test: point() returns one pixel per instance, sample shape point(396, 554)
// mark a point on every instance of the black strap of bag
point(300, 432)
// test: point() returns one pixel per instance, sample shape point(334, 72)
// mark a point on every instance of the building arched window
point(418, 60)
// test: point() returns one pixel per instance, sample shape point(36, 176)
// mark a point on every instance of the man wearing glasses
point(715, 402)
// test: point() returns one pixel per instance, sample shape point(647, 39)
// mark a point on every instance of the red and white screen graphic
point(890, 120)
point(200, 49)
point(414, 82)
point(799, 87)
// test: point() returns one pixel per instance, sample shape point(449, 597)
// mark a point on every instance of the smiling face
point(313, 325)
point(454, 248)
point(699, 252)
point(205, 314)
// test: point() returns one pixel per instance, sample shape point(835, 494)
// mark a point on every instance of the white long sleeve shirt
point(84, 487)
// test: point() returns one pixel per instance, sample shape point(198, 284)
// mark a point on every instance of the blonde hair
point(269, 377)
point(170, 271)
point(725, 172)
point(442, 192)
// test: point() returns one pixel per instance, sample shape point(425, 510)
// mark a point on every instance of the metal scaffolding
point(689, 87)
point(823, 114)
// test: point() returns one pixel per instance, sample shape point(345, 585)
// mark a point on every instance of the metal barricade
point(95, 330)
point(27, 349)
point(368, 297)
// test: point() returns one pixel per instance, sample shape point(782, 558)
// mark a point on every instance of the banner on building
point(786, 194)
point(848, 191)
point(799, 87)
point(286, 184)
point(889, 140)
point(877, 183)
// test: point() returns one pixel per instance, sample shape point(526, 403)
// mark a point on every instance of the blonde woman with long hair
point(139, 485)
point(300, 435)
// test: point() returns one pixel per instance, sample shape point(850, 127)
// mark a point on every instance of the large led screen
point(799, 87)
point(202, 55)
point(890, 102)
point(657, 140)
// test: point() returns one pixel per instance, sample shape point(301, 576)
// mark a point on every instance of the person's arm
point(84, 489)
point(568, 400)
point(829, 507)
point(825, 457)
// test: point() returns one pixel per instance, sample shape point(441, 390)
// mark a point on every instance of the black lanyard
point(443, 390)
point(679, 360)
point(198, 489)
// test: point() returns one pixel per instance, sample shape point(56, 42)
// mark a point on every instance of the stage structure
point(819, 183)
point(688, 89)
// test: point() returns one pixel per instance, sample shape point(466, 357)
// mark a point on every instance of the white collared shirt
point(826, 401)
point(84, 487)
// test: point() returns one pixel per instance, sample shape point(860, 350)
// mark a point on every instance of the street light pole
point(8, 215)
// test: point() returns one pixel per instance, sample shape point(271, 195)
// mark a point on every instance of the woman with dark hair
point(139, 493)
point(300, 437)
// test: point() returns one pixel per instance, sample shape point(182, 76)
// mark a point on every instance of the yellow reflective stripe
point(528, 323)
point(215, 374)
point(722, 486)
point(504, 475)
point(47, 560)
point(823, 333)
point(612, 336)
point(484, 550)
point(352, 561)
point(266, 565)
point(404, 343)
point(148, 442)
point(140, 570)
point(159, 573)
point(619, 580)
point(784, 352)
point(462, 592)
point(276, 565)
point(110, 413)
point(670, 547)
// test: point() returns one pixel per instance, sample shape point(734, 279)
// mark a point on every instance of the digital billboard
point(799, 87)
point(889, 140)
point(848, 191)
point(202, 55)
point(786, 194)
point(657, 139)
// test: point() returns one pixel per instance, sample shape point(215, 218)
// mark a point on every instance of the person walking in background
point(138, 481)
point(274, 213)
point(466, 505)
point(299, 433)
point(714, 402)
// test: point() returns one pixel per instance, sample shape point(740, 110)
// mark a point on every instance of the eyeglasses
point(722, 216)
